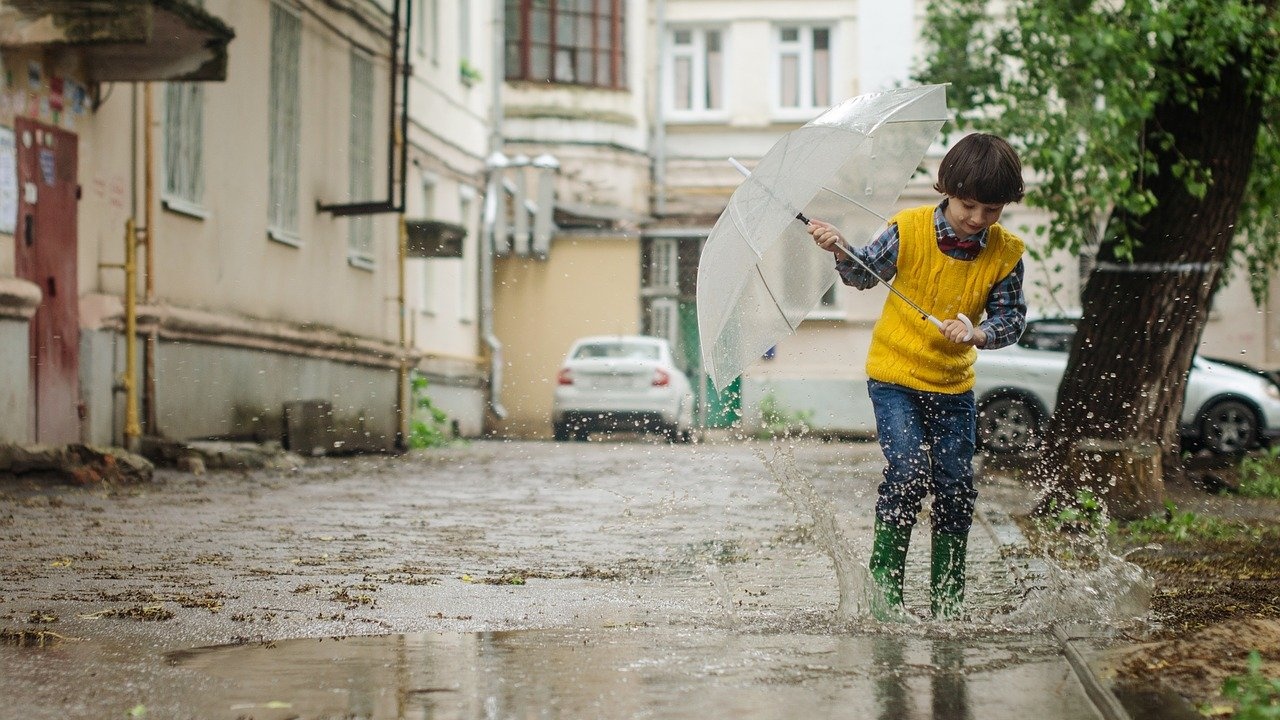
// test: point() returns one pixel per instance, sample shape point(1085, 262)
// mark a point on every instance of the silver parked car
point(1227, 409)
point(627, 382)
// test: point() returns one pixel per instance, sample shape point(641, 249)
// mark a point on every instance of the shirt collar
point(944, 228)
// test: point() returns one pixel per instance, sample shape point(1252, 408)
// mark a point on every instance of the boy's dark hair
point(981, 167)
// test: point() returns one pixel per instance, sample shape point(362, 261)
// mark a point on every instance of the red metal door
point(45, 242)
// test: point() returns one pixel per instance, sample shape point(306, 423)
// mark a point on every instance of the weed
point(1260, 475)
point(776, 420)
point(1256, 695)
point(1182, 525)
point(429, 425)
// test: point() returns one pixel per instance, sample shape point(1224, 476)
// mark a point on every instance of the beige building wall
point(589, 285)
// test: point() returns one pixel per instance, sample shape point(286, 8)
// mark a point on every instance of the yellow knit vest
point(908, 350)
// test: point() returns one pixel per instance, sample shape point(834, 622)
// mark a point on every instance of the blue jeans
point(928, 443)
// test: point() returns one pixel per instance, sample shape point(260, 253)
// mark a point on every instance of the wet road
point(501, 580)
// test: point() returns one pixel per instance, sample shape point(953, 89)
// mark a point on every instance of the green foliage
point(468, 73)
point(1257, 697)
point(1076, 83)
point(776, 420)
point(1260, 475)
point(429, 425)
point(1186, 525)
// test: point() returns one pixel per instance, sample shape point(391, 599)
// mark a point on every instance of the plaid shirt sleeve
point(1006, 311)
point(881, 255)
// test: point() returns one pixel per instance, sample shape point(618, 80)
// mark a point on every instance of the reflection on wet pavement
point(637, 673)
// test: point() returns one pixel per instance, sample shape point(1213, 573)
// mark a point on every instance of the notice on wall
point(8, 182)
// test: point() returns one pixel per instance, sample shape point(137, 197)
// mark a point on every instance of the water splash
point(850, 569)
point(726, 595)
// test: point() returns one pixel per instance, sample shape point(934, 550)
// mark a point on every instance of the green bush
point(1256, 696)
point(429, 425)
point(776, 420)
point(1260, 475)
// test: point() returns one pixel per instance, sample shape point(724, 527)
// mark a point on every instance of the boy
point(950, 259)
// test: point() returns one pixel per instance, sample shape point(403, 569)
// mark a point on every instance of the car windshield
point(1052, 335)
point(617, 351)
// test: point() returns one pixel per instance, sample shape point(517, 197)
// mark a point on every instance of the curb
point(1012, 545)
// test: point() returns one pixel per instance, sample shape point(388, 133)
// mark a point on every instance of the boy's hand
point(828, 238)
point(955, 331)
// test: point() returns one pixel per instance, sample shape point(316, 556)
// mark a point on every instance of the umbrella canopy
point(760, 274)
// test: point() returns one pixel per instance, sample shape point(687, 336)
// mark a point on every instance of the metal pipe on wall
point(149, 234)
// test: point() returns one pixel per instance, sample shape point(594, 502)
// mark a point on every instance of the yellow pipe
point(132, 429)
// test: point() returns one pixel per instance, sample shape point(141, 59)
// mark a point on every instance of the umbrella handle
point(968, 324)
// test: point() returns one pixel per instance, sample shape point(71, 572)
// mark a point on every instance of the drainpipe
point(132, 429)
point(494, 165)
point(659, 133)
point(149, 285)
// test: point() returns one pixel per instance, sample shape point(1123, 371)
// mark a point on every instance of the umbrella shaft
point(849, 251)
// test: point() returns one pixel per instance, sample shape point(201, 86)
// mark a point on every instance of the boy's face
point(970, 217)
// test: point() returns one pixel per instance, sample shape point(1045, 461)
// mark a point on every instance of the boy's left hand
point(955, 331)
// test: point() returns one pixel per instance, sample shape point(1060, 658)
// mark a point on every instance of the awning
point(434, 239)
point(123, 40)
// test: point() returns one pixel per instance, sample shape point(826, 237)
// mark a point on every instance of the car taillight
point(661, 378)
point(565, 377)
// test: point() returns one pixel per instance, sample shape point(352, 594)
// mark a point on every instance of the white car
point(1227, 409)
point(622, 382)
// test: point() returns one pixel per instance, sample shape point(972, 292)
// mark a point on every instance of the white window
point(803, 69)
point(183, 148)
point(664, 269)
point(464, 31)
point(285, 124)
point(360, 181)
point(664, 321)
point(695, 73)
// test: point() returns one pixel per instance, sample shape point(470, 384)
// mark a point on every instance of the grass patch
point(1260, 475)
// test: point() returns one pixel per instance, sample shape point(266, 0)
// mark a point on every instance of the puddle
point(633, 673)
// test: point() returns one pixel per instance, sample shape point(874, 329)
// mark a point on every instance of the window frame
point(803, 48)
point(360, 246)
point(699, 66)
point(285, 127)
point(184, 150)
point(519, 46)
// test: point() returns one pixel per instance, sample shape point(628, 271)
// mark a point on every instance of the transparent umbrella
point(760, 274)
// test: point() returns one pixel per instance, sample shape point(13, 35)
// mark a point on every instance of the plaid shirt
point(1006, 303)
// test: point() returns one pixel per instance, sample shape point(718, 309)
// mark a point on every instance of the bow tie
point(950, 243)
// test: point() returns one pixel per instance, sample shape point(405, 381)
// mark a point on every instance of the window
point(183, 148)
point(464, 31)
point(663, 267)
point(664, 320)
point(803, 68)
point(286, 120)
point(695, 72)
point(360, 180)
point(576, 42)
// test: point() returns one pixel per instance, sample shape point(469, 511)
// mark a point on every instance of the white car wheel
point(1229, 427)
point(1008, 424)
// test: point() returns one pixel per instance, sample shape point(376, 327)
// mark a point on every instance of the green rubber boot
point(888, 566)
point(946, 576)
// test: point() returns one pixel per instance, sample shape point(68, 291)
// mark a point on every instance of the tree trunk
point(1143, 318)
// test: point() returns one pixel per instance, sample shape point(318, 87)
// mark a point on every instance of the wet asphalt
point(617, 578)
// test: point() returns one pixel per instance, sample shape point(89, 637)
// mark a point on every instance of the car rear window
point(1053, 335)
point(617, 351)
